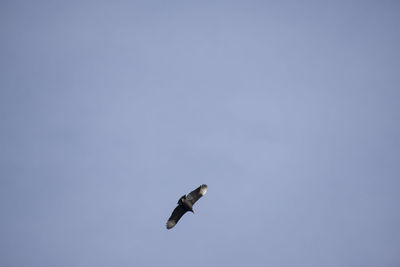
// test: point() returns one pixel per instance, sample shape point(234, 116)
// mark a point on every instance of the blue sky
point(111, 110)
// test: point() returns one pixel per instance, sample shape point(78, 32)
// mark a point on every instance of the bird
point(185, 204)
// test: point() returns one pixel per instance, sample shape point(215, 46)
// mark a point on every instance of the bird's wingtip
point(170, 224)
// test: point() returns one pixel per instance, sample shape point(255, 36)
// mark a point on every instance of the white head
point(203, 189)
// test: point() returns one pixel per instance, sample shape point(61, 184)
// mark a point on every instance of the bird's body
point(185, 204)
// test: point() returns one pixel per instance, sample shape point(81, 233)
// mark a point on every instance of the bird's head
point(180, 201)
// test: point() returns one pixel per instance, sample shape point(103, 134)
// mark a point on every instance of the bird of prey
point(185, 203)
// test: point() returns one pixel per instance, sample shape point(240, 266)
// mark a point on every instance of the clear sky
point(287, 110)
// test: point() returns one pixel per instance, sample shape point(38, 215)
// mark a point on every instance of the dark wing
point(197, 193)
point(175, 216)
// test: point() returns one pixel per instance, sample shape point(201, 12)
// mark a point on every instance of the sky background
point(287, 110)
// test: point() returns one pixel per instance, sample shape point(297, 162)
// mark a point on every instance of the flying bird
point(185, 203)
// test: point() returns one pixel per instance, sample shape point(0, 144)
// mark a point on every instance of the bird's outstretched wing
point(175, 216)
point(197, 193)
